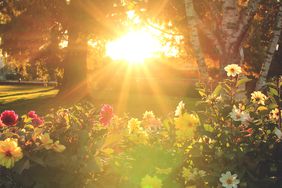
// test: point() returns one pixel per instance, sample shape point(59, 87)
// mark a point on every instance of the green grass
point(135, 104)
point(25, 98)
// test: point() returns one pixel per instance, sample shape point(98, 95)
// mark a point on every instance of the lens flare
point(134, 47)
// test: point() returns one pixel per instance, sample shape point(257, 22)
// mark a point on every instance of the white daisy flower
point(228, 180)
point(239, 115)
point(233, 70)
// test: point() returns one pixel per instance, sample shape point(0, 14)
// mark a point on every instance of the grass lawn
point(23, 98)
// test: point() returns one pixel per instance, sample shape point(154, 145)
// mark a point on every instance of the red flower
point(249, 131)
point(106, 114)
point(9, 118)
point(1, 123)
point(37, 121)
point(32, 114)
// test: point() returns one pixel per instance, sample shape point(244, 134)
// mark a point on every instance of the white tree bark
point(194, 38)
point(229, 22)
point(235, 25)
point(271, 50)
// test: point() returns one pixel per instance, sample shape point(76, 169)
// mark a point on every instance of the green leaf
point(217, 90)
point(202, 93)
point(208, 128)
point(273, 105)
point(273, 91)
point(242, 81)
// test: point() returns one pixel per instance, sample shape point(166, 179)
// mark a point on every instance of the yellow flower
point(258, 97)
point(151, 182)
point(133, 125)
point(233, 70)
point(46, 140)
point(274, 114)
point(9, 153)
point(185, 126)
point(57, 147)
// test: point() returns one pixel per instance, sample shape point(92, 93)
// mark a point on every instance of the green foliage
point(226, 133)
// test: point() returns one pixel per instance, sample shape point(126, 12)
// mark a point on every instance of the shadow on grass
point(26, 93)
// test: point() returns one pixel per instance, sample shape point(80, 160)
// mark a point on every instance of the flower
point(151, 182)
point(258, 97)
point(37, 121)
point(1, 123)
point(249, 132)
point(239, 115)
point(106, 114)
point(228, 180)
point(233, 70)
point(150, 122)
point(148, 115)
point(57, 147)
point(9, 118)
point(133, 125)
point(180, 109)
point(32, 114)
point(9, 153)
point(274, 114)
point(186, 125)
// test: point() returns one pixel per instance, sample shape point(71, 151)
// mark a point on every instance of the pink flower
point(1, 123)
point(32, 114)
point(37, 121)
point(9, 118)
point(106, 114)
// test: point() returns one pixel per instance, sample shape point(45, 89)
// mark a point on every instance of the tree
point(27, 25)
point(271, 50)
point(194, 38)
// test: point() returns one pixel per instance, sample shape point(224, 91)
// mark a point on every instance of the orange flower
point(9, 153)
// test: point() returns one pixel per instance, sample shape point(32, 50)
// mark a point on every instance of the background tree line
point(245, 32)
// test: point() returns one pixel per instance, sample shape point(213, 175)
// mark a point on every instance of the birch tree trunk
point(230, 22)
point(230, 19)
point(235, 25)
point(271, 50)
point(194, 38)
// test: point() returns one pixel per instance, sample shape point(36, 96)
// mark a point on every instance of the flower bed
point(230, 141)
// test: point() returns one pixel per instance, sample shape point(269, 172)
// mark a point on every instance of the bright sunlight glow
point(140, 44)
point(134, 47)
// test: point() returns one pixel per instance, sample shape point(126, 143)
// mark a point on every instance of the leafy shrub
point(230, 141)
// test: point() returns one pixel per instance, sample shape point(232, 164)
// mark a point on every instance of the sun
point(134, 47)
